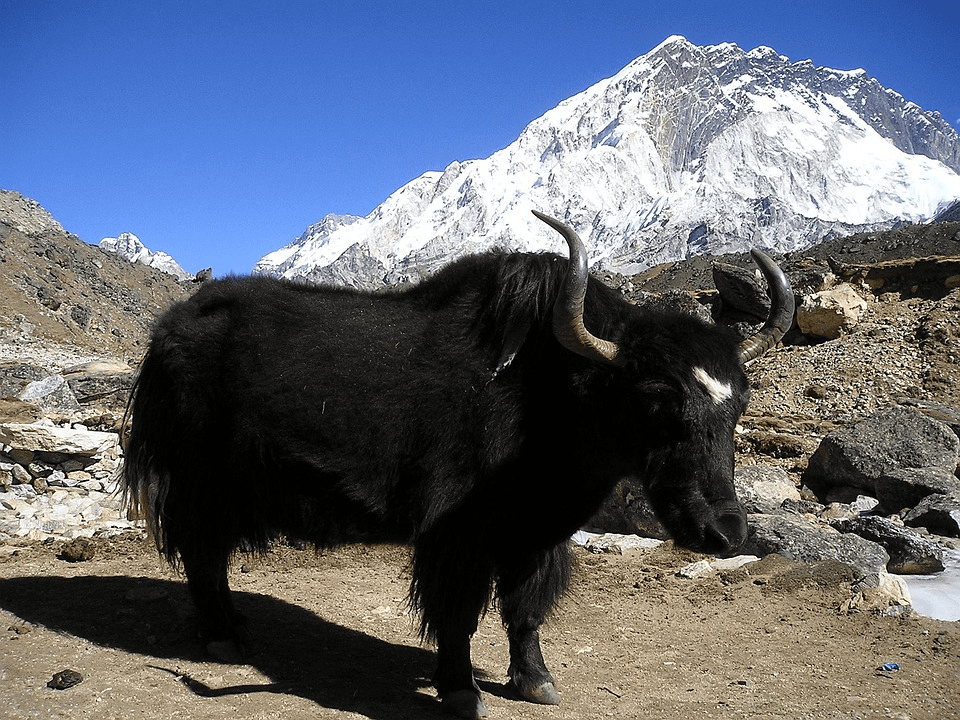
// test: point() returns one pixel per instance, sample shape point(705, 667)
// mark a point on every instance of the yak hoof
point(544, 694)
point(226, 651)
point(465, 704)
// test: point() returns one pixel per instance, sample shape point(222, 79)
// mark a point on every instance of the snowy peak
point(129, 247)
point(686, 150)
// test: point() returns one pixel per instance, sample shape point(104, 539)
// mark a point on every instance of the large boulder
point(895, 439)
point(53, 396)
point(937, 513)
point(800, 540)
point(909, 553)
point(101, 388)
point(905, 487)
point(947, 414)
point(830, 313)
point(741, 289)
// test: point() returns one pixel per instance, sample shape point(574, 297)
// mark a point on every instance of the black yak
point(473, 415)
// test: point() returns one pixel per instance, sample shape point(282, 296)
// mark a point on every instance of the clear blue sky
point(217, 131)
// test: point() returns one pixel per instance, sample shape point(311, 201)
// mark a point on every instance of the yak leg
point(451, 590)
point(528, 588)
point(220, 625)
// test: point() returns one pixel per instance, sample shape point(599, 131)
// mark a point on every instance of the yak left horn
point(568, 310)
point(780, 318)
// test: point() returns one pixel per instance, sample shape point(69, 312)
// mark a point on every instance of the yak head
point(672, 388)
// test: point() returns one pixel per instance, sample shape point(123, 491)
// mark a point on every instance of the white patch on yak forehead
point(717, 390)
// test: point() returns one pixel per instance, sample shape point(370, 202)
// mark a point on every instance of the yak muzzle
point(726, 530)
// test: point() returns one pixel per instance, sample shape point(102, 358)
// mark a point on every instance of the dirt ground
point(632, 640)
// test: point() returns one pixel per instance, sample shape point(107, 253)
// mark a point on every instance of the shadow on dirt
point(301, 653)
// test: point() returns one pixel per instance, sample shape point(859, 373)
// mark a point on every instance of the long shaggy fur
point(265, 407)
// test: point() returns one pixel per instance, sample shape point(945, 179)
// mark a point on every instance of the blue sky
point(217, 131)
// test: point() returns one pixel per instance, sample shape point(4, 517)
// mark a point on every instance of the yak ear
point(517, 329)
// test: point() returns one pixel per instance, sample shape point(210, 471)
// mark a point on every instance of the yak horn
point(568, 310)
point(781, 310)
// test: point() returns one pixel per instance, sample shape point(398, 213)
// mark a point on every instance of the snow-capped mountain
point(129, 247)
point(687, 150)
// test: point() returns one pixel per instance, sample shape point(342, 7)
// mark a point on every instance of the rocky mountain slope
point(688, 150)
point(63, 301)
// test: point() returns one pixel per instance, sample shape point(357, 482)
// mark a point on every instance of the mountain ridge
point(129, 247)
point(687, 150)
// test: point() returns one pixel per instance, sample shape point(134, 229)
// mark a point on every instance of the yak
point(472, 415)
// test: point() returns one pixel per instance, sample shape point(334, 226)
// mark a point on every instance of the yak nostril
point(726, 532)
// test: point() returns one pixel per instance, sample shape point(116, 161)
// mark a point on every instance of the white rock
point(880, 592)
point(695, 570)
point(45, 438)
point(830, 313)
point(619, 544)
point(733, 563)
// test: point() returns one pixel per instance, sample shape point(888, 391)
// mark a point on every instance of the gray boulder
point(799, 540)
point(741, 289)
point(52, 395)
point(898, 438)
point(939, 514)
point(627, 511)
point(15, 376)
point(909, 553)
point(947, 414)
point(905, 487)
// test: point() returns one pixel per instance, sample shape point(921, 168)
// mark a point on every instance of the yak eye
point(659, 398)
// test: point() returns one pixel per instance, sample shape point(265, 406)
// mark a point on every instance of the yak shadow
point(302, 654)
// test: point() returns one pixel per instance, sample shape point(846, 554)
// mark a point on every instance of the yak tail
point(146, 474)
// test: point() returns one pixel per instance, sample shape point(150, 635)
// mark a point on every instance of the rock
point(905, 487)
point(21, 456)
point(673, 301)
point(626, 511)
point(741, 289)
point(78, 550)
point(54, 439)
point(937, 513)
point(864, 504)
point(38, 470)
point(798, 540)
point(882, 593)
point(947, 414)
point(15, 376)
point(620, 544)
point(21, 476)
point(763, 489)
point(52, 395)
point(909, 553)
point(65, 679)
point(732, 563)
point(695, 570)
point(103, 384)
point(830, 313)
point(893, 439)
